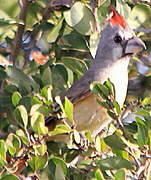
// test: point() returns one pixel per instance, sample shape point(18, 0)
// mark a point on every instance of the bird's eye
point(117, 39)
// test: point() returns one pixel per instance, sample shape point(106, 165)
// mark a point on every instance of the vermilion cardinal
point(117, 43)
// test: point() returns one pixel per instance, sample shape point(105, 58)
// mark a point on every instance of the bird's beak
point(134, 45)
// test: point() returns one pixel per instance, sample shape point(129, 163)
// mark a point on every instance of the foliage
point(45, 47)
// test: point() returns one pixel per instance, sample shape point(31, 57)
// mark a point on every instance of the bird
point(117, 44)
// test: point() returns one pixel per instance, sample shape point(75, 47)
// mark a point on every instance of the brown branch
point(142, 1)
point(4, 49)
point(24, 4)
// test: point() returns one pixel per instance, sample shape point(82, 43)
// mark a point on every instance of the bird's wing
point(79, 90)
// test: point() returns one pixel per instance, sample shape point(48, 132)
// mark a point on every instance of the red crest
point(116, 19)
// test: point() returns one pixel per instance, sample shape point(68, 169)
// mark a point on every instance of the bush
point(45, 47)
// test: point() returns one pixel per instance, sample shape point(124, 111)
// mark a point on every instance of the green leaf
point(103, 104)
point(47, 92)
point(88, 136)
point(13, 143)
point(60, 162)
point(10, 88)
point(117, 107)
point(37, 162)
point(120, 175)
point(20, 133)
point(143, 112)
point(110, 86)
point(54, 33)
point(98, 143)
point(99, 175)
point(21, 116)
point(3, 150)
point(139, 16)
point(26, 101)
point(112, 115)
point(146, 101)
point(36, 100)
point(123, 8)
point(45, 110)
point(16, 98)
point(142, 137)
point(40, 149)
point(81, 18)
point(47, 76)
point(73, 40)
point(115, 141)
point(122, 153)
point(68, 108)
point(114, 163)
point(60, 129)
point(20, 79)
point(59, 75)
point(74, 64)
point(38, 123)
point(9, 177)
point(103, 9)
point(3, 75)
point(99, 89)
point(11, 8)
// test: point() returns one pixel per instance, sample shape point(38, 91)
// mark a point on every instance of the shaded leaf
point(21, 116)
point(37, 162)
point(142, 137)
point(114, 163)
point(115, 141)
point(61, 163)
point(47, 77)
point(74, 64)
point(19, 78)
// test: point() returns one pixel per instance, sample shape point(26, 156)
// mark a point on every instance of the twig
point(24, 4)
point(145, 30)
point(50, 6)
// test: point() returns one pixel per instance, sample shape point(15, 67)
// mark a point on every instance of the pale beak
point(134, 45)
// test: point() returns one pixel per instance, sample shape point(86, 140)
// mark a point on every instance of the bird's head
point(118, 40)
